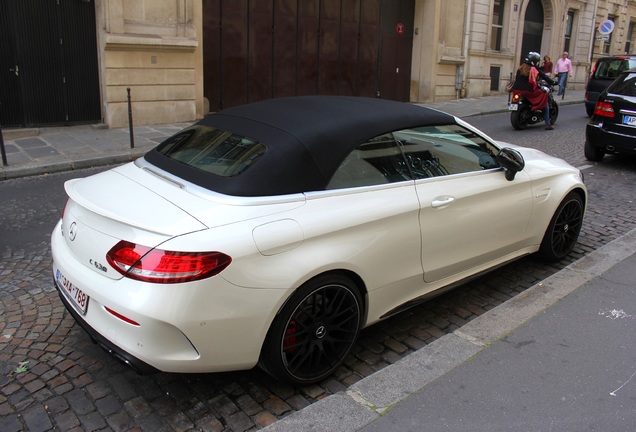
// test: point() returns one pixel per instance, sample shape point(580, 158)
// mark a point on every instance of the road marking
point(614, 314)
point(627, 382)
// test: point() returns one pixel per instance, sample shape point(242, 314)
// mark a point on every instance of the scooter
point(522, 114)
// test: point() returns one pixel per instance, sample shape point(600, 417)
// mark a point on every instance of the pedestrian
point(562, 70)
point(546, 67)
point(526, 85)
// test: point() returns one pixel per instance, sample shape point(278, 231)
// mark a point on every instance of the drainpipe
point(593, 33)
point(469, 9)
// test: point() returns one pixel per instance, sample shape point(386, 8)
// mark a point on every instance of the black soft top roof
point(307, 137)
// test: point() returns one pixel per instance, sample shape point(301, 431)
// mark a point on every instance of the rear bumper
point(196, 327)
point(611, 141)
point(128, 359)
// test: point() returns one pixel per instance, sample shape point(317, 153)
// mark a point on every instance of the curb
point(374, 395)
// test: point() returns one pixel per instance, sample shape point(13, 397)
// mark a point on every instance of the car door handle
point(442, 201)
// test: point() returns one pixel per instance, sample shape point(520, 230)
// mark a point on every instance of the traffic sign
point(606, 27)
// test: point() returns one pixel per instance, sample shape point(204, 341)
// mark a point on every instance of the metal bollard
point(130, 121)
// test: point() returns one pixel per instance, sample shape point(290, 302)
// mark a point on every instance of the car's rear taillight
point(604, 109)
point(161, 266)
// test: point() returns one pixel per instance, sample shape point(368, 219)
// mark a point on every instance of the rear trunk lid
point(109, 207)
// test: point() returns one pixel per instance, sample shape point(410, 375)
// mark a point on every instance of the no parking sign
point(606, 27)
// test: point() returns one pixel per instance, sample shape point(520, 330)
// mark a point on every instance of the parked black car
point(612, 128)
point(606, 70)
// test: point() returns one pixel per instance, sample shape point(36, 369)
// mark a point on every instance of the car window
point(213, 150)
point(611, 68)
point(377, 161)
point(433, 151)
point(417, 153)
point(626, 85)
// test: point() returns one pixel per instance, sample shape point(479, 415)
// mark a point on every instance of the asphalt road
point(70, 383)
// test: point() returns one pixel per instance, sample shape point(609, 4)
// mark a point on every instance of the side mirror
point(511, 161)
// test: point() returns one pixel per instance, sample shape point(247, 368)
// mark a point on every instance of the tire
point(518, 119)
point(589, 110)
point(593, 153)
point(563, 230)
point(314, 331)
point(554, 112)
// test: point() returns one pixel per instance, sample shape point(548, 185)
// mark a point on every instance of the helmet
point(533, 59)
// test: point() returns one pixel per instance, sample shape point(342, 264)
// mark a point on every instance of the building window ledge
point(128, 42)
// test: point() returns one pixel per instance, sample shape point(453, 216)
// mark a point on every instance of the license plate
point(513, 107)
point(76, 296)
point(629, 120)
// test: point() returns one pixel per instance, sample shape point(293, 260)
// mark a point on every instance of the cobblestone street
point(53, 377)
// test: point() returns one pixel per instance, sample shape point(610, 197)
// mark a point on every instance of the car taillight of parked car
point(604, 109)
point(161, 266)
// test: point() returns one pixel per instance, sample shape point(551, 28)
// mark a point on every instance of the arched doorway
point(532, 28)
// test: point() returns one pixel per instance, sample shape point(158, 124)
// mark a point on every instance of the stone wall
point(153, 49)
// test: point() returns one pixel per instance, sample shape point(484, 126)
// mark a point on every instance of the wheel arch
point(349, 274)
point(581, 194)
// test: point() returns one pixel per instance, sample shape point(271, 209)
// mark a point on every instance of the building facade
point(477, 56)
point(154, 49)
point(176, 60)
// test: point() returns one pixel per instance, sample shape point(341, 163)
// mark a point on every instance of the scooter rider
point(526, 84)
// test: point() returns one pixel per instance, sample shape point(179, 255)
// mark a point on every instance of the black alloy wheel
point(564, 229)
point(314, 331)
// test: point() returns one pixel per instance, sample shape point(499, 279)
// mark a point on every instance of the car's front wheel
point(314, 331)
point(593, 153)
point(563, 231)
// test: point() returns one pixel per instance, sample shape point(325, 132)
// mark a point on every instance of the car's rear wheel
point(593, 153)
point(564, 228)
point(314, 331)
point(589, 110)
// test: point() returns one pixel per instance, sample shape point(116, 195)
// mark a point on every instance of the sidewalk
point(56, 149)
point(560, 356)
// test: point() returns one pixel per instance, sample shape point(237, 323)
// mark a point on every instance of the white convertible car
point(271, 233)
